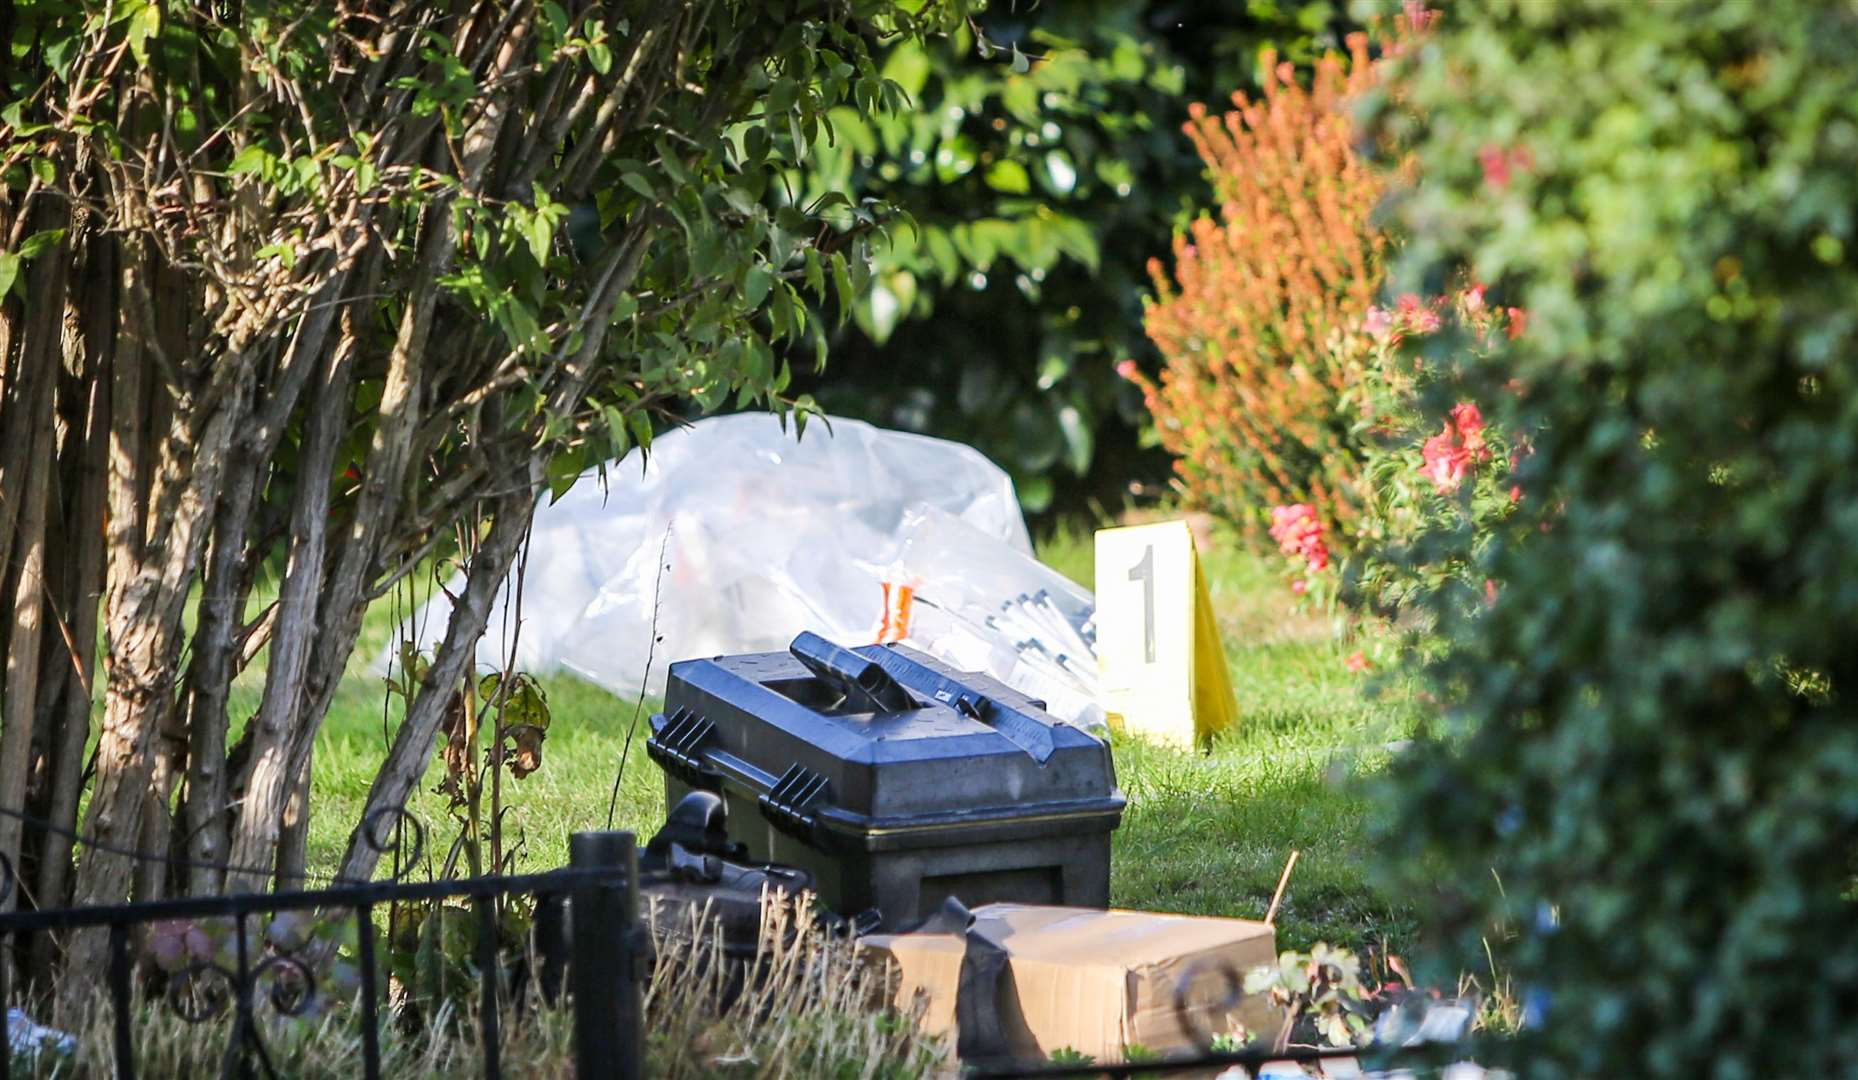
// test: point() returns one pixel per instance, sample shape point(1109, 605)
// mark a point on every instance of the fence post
point(609, 1028)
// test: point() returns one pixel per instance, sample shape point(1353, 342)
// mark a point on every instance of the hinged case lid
point(881, 745)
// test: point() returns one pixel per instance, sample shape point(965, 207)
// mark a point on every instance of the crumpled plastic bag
point(735, 537)
point(28, 1039)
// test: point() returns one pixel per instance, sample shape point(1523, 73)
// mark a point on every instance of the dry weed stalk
point(806, 1006)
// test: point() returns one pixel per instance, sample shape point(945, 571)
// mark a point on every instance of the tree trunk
point(210, 674)
point(271, 775)
point(84, 574)
point(32, 411)
point(148, 580)
point(26, 635)
point(293, 842)
point(412, 746)
point(85, 568)
point(217, 641)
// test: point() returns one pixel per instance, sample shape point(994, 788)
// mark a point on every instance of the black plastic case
point(894, 779)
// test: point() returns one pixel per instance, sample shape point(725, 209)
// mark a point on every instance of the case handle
point(863, 681)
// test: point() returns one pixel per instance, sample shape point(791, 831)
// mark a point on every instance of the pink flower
point(1300, 586)
point(1473, 299)
point(1449, 455)
point(1490, 593)
point(1416, 315)
point(1519, 321)
point(1516, 494)
point(1446, 460)
point(1379, 322)
point(1357, 662)
point(1419, 17)
point(1500, 164)
point(1299, 534)
point(1126, 369)
point(1293, 527)
point(1469, 422)
point(1496, 166)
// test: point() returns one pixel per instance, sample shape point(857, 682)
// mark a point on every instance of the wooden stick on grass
point(1270, 915)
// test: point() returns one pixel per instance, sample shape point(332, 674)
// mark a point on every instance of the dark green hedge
point(1649, 738)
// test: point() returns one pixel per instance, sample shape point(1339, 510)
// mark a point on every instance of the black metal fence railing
point(603, 956)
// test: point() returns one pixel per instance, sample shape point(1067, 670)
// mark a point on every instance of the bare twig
point(1283, 882)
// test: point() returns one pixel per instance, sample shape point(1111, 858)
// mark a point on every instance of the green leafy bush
point(1039, 191)
point(1647, 735)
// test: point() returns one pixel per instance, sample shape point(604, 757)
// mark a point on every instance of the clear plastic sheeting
point(735, 537)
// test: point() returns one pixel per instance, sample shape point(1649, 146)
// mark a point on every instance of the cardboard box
point(1093, 981)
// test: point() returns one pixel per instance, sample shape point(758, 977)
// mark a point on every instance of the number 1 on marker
point(1144, 572)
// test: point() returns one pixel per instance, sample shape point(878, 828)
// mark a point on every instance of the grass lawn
point(1203, 833)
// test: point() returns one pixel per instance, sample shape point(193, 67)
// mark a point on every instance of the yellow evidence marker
point(1158, 651)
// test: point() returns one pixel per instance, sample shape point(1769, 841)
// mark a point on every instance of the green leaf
point(781, 246)
point(889, 303)
point(46, 171)
point(282, 252)
point(9, 271)
point(741, 200)
point(1035, 493)
point(797, 134)
point(908, 67)
point(1009, 177)
point(641, 426)
point(673, 163)
point(639, 183)
point(782, 313)
point(35, 245)
point(842, 285)
point(755, 285)
point(1021, 65)
point(252, 159)
point(600, 56)
point(804, 409)
point(755, 143)
point(563, 470)
point(144, 25)
point(941, 250)
point(540, 232)
point(621, 439)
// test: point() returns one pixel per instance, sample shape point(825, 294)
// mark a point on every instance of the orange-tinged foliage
point(1260, 323)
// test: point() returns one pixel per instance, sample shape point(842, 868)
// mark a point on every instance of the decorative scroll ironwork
point(266, 958)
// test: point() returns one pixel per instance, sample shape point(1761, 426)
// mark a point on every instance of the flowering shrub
point(1263, 323)
point(1643, 757)
point(1434, 468)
